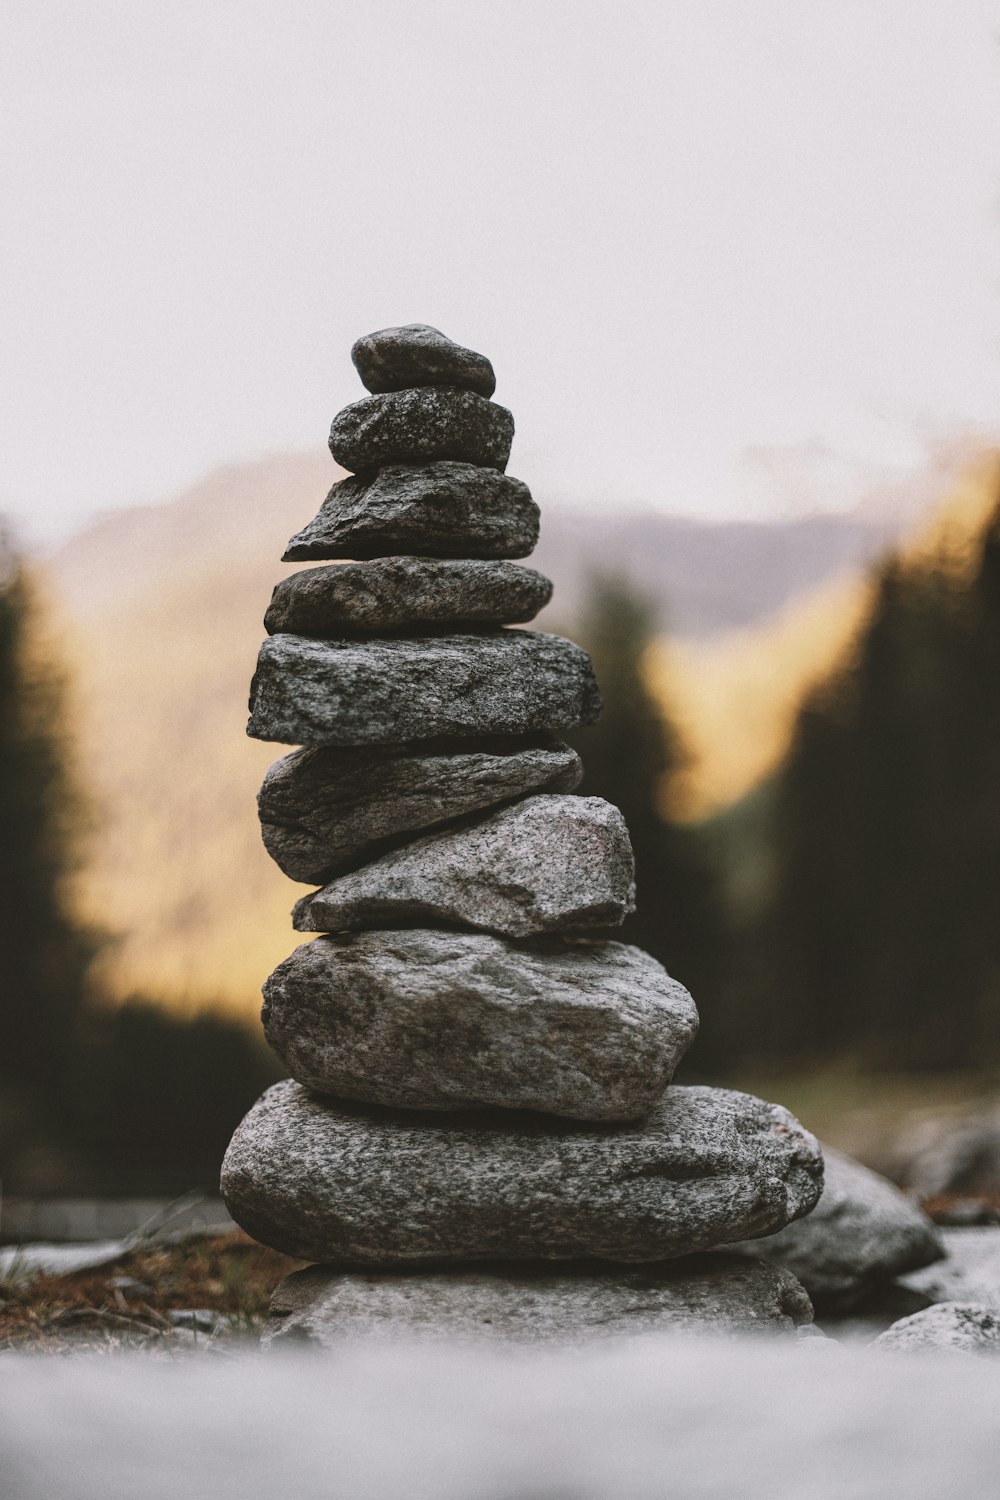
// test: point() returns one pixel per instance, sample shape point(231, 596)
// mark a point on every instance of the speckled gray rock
point(437, 510)
point(429, 1019)
point(323, 811)
point(970, 1271)
point(861, 1234)
point(421, 426)
point(959, 1326)
point(416, 354)
point(535, 1303)
point(330, 1182)
point(405, 594)
point(383, 692)
point(547, 864)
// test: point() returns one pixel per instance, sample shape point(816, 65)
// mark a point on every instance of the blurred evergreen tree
point(629, 758)
point(162, 1095)
point(882, 940)
point(45, 953)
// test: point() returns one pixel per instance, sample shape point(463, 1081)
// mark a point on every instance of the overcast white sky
point(729, 257)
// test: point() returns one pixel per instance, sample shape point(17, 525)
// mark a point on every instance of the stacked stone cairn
point(478, 1133)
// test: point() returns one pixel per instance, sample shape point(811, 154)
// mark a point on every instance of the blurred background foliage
point(843, 913)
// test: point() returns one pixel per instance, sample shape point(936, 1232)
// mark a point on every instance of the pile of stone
point(478, 1132)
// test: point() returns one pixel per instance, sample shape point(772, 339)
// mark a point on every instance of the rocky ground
point(199, 1293)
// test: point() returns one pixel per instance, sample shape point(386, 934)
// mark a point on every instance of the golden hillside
point(736, 694)
point(161, 616)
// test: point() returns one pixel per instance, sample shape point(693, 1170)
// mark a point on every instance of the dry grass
point(127, 1303)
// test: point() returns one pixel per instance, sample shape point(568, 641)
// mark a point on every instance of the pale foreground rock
point(325, 1182)
point(422, 426)
point(323, 811)
point(435, 510)
point(548, 864)
point(643, 1419)
point(535, 1303)
point(970, 1271)
point(964, 1326)
point(425, 1019)
point(405, 594)
point(416, 354)
point(379, 692)
point(861, 1234)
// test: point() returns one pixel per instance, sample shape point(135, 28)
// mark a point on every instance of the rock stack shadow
point(479, 1135)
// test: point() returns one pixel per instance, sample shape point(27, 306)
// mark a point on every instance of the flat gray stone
point(420, 426)
point(383, 692)
point(536, 1304)
point(430, 1019)
point(437, 510)
point(335, 1182)
point(405, 594)
point(969, 1272)
point(416, 354)
point(323, 811)
point(962, 1326)
point(545, 865)
point(862, 1233)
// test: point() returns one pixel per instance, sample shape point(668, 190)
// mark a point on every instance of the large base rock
point(545, 865)
point(329, 1182)
point(437, 510)
point(308, 692)
point(323, 811)
point(420, 426)
point(405, 594)
point(861, 1234)
point(536, 1304)
point(433, 1020)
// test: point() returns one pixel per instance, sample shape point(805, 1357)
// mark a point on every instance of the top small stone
point(395, 359)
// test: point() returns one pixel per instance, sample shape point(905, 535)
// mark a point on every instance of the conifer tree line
point(881, 941)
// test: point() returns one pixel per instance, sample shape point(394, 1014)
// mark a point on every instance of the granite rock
point(383, 692)
point(437, 510)
point(395, 358)
point(862, 1233)
point(962, 1326)
point(429, 1019)
point(323, 811)
point(534, 1303)
point(547, 864)
point(969, 1272)
point(420, 426)
point(405, 594)
point(335, 1182)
